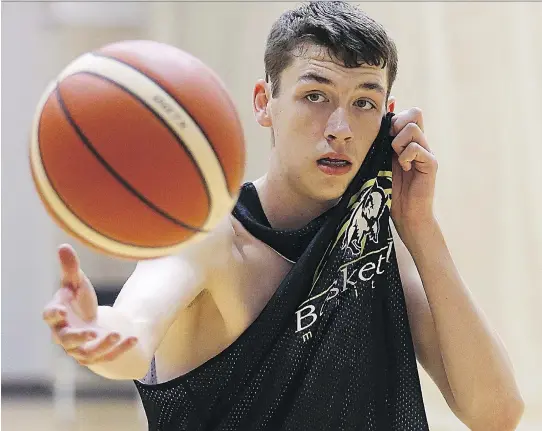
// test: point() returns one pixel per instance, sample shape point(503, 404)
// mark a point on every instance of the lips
point(334, 159)
point(334, 164)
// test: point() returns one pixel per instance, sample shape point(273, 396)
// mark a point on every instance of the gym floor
point(90, 415)
point(123, 415)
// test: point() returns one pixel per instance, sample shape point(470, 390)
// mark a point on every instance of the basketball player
point(180, 324)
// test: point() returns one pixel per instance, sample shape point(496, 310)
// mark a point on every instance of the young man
point(299, 319)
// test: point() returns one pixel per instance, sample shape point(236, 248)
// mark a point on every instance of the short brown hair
point(350, 36)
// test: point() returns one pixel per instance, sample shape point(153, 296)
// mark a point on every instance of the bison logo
point(364, 224)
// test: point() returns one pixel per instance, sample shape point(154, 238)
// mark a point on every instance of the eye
point(364, 104)
point(315, 98)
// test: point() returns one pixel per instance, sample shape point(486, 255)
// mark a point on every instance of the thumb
point(69, 262)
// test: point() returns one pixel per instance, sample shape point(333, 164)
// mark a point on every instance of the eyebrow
point(314, 77)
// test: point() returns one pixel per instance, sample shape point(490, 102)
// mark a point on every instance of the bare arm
point(147, 305)
point(127, 335)
point(453, 340)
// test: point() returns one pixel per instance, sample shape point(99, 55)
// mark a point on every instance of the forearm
point(477, 366)
point(135, 362)
point(149, 302)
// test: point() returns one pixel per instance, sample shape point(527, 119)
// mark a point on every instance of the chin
point(328, 190)
point(330, 195)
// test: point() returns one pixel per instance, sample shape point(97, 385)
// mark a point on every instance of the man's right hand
point(72, 317)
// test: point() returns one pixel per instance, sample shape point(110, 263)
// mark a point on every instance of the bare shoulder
point(213, 247)
point(216, 253)
point(228, 243)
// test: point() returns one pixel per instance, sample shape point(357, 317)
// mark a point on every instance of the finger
point(93, 350)
point(425, 162)
point(56, 339)
point(117, 350)
point(399, 121)
point(80, 357)
point(410, 133)
point(63, 296)
point(55, 312)
point(55, 315)
point(73, 338)
point(69, 263)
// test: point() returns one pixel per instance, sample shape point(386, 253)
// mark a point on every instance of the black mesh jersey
point(332, 349)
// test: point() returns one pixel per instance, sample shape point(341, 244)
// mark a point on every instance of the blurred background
point(474, 68)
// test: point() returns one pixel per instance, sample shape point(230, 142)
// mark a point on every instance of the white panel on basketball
point(173, 115)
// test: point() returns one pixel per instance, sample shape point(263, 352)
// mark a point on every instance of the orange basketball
point(136, 149)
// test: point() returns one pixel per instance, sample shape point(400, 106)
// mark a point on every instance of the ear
point(391, 104)
point(260, 103)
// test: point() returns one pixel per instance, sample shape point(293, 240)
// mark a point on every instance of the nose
point(337, 128)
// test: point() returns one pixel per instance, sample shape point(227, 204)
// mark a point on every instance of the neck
point(286, 208)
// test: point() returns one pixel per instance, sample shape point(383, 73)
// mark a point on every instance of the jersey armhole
point(150, 377)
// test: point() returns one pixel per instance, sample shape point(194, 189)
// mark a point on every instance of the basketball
point(137, 149)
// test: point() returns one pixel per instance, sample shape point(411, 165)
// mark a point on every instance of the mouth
point(334, 164)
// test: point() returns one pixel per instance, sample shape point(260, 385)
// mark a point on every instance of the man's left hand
point(414, 173)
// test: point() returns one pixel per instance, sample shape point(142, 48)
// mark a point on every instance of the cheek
point(308, 123)
point(367, 130)
point(299, 132)
point(298, 126)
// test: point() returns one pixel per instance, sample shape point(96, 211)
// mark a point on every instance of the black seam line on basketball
point(115, 174)
point(72, 211)
point(97, 54)
point(177, 138)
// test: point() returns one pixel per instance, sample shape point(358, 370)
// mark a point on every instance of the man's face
point(325, 113)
